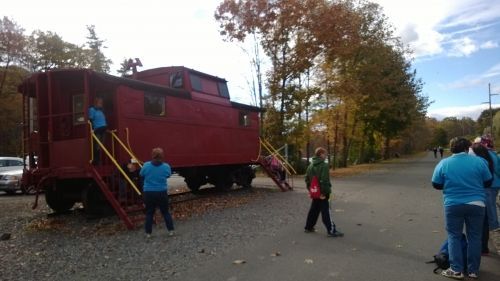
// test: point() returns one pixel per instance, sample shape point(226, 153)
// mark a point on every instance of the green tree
point(441, 137)
point(484, 121)
point(97, 59)
point(10, 112)
point(12, 44)
point(47, 50)
point(124, 70)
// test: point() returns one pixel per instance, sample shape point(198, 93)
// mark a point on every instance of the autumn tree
point(287, 39)
point(368, 93)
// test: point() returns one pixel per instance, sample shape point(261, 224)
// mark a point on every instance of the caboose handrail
point(274, 152)
point(91, 143)
point(129, 151)
point(101, 145)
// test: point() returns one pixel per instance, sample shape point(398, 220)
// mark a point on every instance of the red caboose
point(206, 137)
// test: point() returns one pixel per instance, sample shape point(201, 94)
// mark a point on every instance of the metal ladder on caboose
point(264, 162)
point(127, 203)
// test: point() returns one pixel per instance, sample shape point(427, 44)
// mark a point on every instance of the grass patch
point(361, 168)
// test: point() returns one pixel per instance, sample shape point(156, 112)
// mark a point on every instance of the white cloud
point(463, 47)
point(474, 80)
point(472, 111)
point(489, 45)
point(428, 26)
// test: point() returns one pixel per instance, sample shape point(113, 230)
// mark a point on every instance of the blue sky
point(456, 49)
point(455, 43)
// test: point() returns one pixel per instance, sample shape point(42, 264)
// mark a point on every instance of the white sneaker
point(450, 273)
point(473, 276)
point(171, 233)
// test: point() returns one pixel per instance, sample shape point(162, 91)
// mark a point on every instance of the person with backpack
point(318, 178)
point(463, 177)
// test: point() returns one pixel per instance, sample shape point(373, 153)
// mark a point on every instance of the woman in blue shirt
point(155, 174)
point(99, 126)
point(463, 177)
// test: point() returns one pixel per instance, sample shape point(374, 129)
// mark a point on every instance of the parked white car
point(11, 172)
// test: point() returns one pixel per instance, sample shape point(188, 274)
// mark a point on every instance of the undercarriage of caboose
point(57, 132)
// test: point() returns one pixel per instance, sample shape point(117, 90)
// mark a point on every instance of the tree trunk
point(386, 148)
point(4, 76)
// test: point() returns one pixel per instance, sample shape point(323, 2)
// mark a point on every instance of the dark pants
point(100, 134)
point(486, 235)
point(320, 206)
point(153, 199)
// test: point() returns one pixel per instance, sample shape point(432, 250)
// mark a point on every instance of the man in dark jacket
point(320, 169)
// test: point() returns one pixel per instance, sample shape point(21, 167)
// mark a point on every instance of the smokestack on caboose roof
point(134, 65)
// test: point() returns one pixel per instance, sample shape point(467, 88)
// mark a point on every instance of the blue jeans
point(491, 207)
point(473, 218)
point(153, 199)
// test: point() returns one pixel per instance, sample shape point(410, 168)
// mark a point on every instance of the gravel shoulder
point(71, 247)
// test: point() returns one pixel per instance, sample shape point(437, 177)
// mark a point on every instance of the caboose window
point(244, 119)
point(78, 109)
point(223, 91)
point(154, 104)
point(176, 80)
point(195, 82)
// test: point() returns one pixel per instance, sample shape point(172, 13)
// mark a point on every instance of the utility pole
point(491, 110)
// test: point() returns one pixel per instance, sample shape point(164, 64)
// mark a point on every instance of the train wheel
point(94, 202)
point(56, 199)
point(223, 181)
point(193, 183)
point(245, 176)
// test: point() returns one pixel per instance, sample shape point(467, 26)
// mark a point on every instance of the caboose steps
point(125, 204)
point(274, 174)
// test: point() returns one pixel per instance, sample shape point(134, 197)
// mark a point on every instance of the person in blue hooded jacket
point(99, 126)
point(463, 178)
point(155, 186)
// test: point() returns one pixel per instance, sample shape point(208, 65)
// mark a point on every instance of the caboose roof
point(142, 85)
point(159, 70)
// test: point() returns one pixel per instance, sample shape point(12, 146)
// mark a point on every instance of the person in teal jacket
point(320, 169)
point(99, 126)
point(492, 193)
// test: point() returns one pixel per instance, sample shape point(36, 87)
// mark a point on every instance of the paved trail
point(393, 221)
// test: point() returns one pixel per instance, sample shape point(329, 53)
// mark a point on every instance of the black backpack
point(441, 260)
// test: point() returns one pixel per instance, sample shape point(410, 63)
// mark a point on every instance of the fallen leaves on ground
point(47, 224)
point(187, 209)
